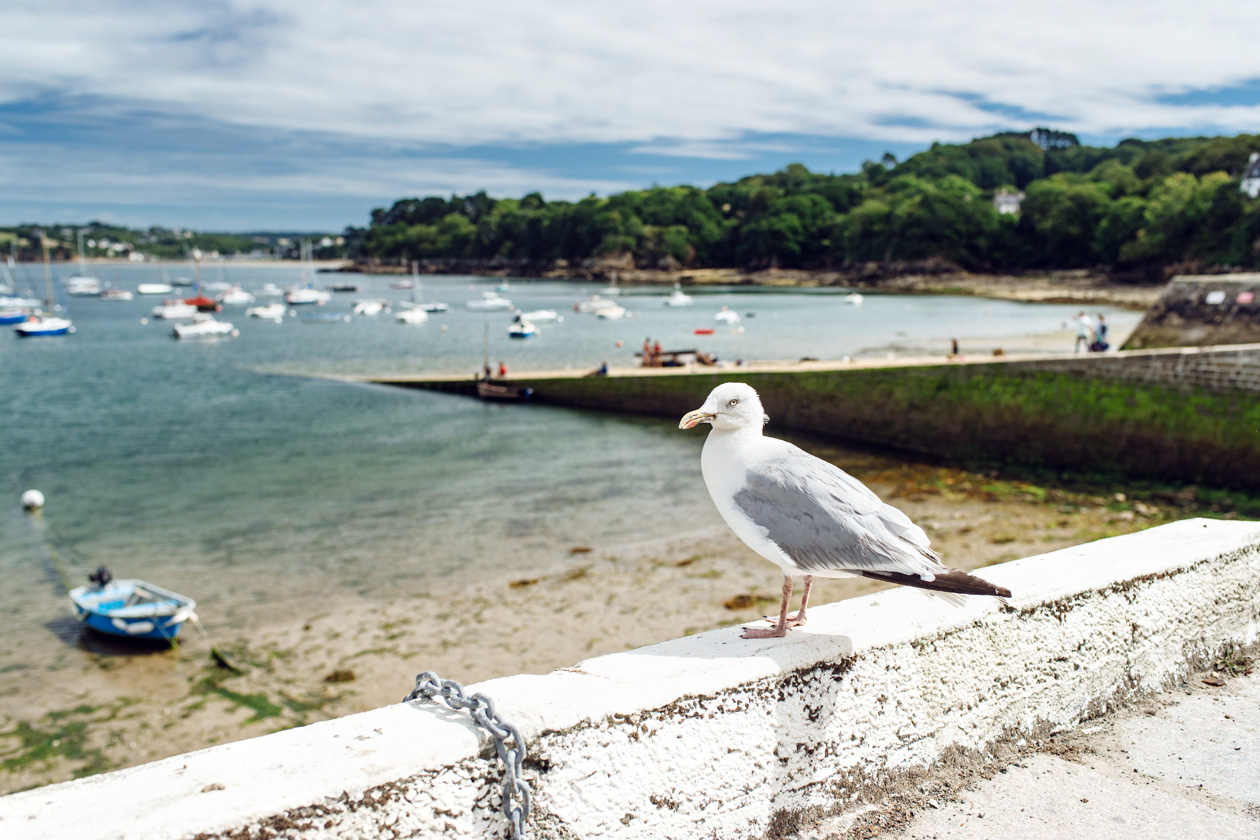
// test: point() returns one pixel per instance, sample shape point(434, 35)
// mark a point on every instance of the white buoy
point(32, 500)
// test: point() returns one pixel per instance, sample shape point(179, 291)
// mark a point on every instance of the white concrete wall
point(711, 735)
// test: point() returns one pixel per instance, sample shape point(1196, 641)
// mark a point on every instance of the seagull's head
point(730, 406)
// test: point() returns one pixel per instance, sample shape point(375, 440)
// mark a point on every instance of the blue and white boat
point(41, 325)
point(132, 609)
point(46, 322)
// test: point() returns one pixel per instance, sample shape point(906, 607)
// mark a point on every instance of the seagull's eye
point(732, 403)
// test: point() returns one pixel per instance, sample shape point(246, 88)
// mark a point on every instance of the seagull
point(807, 516)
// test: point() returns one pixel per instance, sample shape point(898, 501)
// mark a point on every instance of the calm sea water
point(206, 468)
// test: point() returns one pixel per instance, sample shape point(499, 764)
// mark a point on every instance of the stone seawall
point(1182, 415)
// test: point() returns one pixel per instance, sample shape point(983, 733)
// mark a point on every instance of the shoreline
point(1067, 286)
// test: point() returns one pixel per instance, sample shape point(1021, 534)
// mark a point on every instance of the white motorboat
point(205, 326)
point(82, 286)
point(593, 304)
point(490, 302)
point(269, 290)
point(154, 289)
point(541, 316)
point(307, 295)
point(115, 294)
point(412, 316)
point(611, 313)
point(370, 307)
point(678, 298)
point(727, 316)
point(853, 299)
point(235, 296)
point(175, 310)
point(268, 311)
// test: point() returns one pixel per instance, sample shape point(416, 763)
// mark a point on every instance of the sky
point(304, 115)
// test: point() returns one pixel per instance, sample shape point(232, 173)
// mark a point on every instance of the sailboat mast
point(47, 275)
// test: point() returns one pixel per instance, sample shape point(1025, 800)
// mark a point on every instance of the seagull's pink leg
point(797, 619)
point(781, 627)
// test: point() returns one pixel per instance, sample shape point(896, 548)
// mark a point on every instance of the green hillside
point(1141, 204)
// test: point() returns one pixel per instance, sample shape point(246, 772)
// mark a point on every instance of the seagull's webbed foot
point(779, 626)
point(775, 632)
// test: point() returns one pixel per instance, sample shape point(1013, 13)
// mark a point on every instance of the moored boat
point(132, 609)
point(489, 302)
point(678, 297)
point(204, 326)
point(174, 310)
point(236, 296)
point(271, 311)
point(521, 328)
point(36, 326)
point(488, 390)
point(542, 316)
point(306, 296)
point(371, 306)
point(412, 316)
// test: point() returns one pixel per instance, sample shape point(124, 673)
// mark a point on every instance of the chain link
point(429, 685)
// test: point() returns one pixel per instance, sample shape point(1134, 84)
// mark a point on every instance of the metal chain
point(429, 685)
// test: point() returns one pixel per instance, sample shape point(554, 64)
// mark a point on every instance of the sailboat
point(45, 323)
point(307, 294)
point(82, 284)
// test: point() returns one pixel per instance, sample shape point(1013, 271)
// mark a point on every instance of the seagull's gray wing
point(826, 520)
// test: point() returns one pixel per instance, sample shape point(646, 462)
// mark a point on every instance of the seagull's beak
point(692, 418)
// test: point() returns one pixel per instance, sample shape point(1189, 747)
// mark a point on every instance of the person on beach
point(657, 352)
point(502, 369)
point(1100, 335)
point(647, 352)
point(1084, 331)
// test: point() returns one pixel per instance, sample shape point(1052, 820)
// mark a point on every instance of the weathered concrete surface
point(713, 735)
point(1198, 310)
point(1186, 763)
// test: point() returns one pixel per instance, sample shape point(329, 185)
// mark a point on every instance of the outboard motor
point(102, 577)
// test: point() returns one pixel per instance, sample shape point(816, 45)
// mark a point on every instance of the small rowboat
point(488, 390)
point(132, 609)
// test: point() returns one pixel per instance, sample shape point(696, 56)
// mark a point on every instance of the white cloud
point(654, 72)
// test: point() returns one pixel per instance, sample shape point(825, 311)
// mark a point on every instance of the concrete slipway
point(884, 715)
